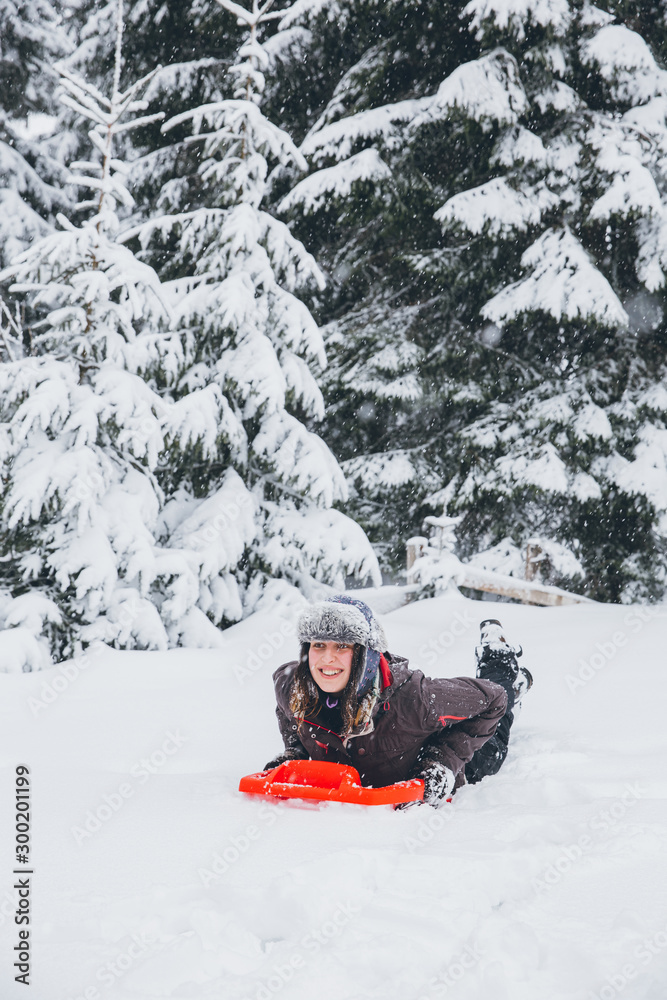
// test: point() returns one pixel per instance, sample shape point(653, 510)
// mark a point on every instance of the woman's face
point(330, 664)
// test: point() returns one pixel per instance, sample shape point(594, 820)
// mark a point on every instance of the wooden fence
point(465, 575)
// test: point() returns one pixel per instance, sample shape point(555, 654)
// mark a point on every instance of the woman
point(349, 701)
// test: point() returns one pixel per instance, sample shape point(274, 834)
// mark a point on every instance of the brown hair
point(305, 694)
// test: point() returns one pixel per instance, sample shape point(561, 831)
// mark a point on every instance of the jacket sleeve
point(460, 715)
point(294, 748)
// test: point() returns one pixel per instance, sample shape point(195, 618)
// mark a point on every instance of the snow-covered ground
point(154, 877)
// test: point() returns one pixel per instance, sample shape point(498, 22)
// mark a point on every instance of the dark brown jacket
point(460, 713)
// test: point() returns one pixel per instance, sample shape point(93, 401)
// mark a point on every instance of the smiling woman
point(349, 701)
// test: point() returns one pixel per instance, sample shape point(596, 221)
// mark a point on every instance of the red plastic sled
point(320, 779)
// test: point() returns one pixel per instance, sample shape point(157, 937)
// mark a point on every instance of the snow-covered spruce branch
point(12, 334)
point(236, 120)
point(252, 18)
point(523, 365)
point(106, 115)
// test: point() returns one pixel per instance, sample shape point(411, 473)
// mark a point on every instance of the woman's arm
point(461, 715)
point(294, 748)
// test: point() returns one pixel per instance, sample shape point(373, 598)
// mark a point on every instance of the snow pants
point(500, 667)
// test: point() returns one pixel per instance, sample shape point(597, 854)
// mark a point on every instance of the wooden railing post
point(414, 548)
point(533, 553)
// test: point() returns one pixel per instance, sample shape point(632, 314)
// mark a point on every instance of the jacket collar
point(400, 673)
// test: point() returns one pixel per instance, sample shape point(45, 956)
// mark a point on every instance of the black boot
point(497, 661)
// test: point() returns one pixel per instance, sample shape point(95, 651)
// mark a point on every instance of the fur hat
point(345, 619)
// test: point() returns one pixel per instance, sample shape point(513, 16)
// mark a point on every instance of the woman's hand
point(282, 759)
point(439, 783)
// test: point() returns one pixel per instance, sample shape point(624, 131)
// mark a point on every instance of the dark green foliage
point(31, 173)
point(469, 378)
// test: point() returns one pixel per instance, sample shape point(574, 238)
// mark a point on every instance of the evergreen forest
point(279, 280)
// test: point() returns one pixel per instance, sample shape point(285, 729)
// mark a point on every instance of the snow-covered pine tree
point(237, 438)
point(30, 175)
point(82, 429)
point(192, 48)
point(496, 242)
